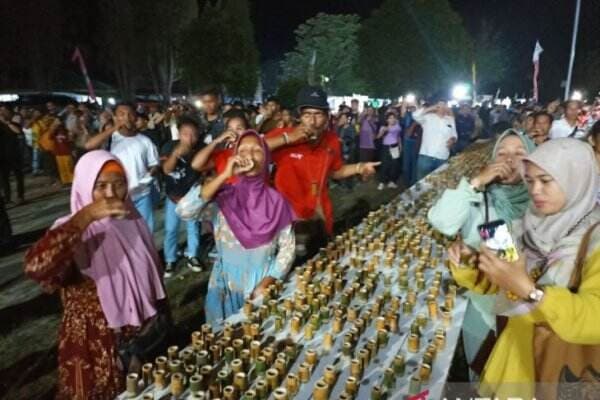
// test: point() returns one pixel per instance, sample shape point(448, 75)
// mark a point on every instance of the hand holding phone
point(497, 237)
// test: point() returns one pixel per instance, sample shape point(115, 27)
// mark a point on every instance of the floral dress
point(87, 354)
point(237, 270)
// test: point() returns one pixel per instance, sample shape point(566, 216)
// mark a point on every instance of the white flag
point(537, 51)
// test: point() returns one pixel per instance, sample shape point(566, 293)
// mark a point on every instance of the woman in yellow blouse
point(562, 178)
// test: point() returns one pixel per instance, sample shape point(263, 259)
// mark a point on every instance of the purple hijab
point(118, 254)
point(254, 211)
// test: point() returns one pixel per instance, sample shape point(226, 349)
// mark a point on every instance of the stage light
point(460, 91)
point(410, 98)
point(577, 95)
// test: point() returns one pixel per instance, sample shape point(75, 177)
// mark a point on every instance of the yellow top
point(510, 370)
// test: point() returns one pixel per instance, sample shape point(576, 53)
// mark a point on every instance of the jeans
point(409, 162)
point(426, 165)
point(35, 160)
point(172, 221)
point(144, 206)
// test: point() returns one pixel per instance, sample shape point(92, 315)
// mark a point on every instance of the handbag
point(567, 370)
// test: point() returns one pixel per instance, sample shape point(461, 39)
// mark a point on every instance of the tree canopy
point(326, 53)
point(413, 45)
point(219, 48)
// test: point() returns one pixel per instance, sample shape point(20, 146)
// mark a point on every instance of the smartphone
point(497, 237)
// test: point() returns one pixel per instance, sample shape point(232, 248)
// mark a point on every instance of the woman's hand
point(262, 286)
point(227, 136)
point(490, 173)
point(237, 165)
point(512, 277)
point(458, 250)
point(99, 209)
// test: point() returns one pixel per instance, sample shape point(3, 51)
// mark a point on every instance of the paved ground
point(30, 318)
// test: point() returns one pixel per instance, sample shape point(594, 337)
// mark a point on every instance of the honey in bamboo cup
point(250, 395)
point(202, 358)
point(379, 323)
point(280, 394)
point(272, 377)
point(356, 368)
point(327, 342)
point(337, 324)
point(321, 390)
point(147, 374)
point(311, 357)
point(399, 365)
point(389, 378)
point(229, 393)
point(304, 372)
point(237, 365)
point(189, 370)
point(161, 362)
point(376, 393)
point(177, 384)
point(132, 384)
point(413, 343)
point(148, 396)
point(173, 352)
point(159, 378)
point(254, 349)
point(351, 386)
point(425, 372)
point(295, 325)
point(440, 342)
point(195, 382)
point(240, 382)
point(292, 383)
point(330, 375)
point(446, 317)
point(281, 364)
point(261, 389)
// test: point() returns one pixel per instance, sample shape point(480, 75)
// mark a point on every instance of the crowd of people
point(260, 176)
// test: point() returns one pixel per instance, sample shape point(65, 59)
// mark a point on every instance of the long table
point(425, 257)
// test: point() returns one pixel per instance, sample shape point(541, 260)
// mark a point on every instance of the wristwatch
point(536, 295)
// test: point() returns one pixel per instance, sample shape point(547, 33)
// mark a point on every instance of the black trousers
point(14, 165)
point(389, 170)
point(5, 228)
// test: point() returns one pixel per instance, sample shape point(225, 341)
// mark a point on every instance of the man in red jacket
point(303, 168)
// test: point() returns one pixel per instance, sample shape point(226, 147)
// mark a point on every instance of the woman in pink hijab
point(103, 261)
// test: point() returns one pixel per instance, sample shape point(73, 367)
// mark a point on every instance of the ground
point(30, 318)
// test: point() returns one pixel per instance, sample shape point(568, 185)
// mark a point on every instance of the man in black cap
point(305, 157)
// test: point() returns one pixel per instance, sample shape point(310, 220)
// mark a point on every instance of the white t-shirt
point(436, 133)
point(562, 129)
point(138, 154)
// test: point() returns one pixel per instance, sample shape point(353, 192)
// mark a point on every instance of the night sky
point(520, 21)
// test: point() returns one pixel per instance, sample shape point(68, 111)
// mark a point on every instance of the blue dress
point(237, 270)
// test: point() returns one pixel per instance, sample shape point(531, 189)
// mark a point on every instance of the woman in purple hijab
point(102, 260)
point(253, 228)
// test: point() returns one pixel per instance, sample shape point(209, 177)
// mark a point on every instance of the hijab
point(551, 242)
point(254, 211)
point(118, 254)
point(510, 201)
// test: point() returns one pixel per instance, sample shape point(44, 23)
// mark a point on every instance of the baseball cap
point(313, 97)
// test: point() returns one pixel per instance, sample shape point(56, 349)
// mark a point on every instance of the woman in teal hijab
point(497, 192)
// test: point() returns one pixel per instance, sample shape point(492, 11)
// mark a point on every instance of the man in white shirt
point(439, 135)
point(567, 126)
point(138, 155)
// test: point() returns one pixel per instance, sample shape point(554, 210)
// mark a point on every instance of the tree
point(326, 53)
point(160, 25)
point(288, 90)
point(219, 48)
point(491, 56)
point(413, 45)
point(121, 44)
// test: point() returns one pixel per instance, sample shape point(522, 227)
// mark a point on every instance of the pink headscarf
point(118, 254)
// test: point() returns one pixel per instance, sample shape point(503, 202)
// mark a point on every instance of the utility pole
point(573, 46)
